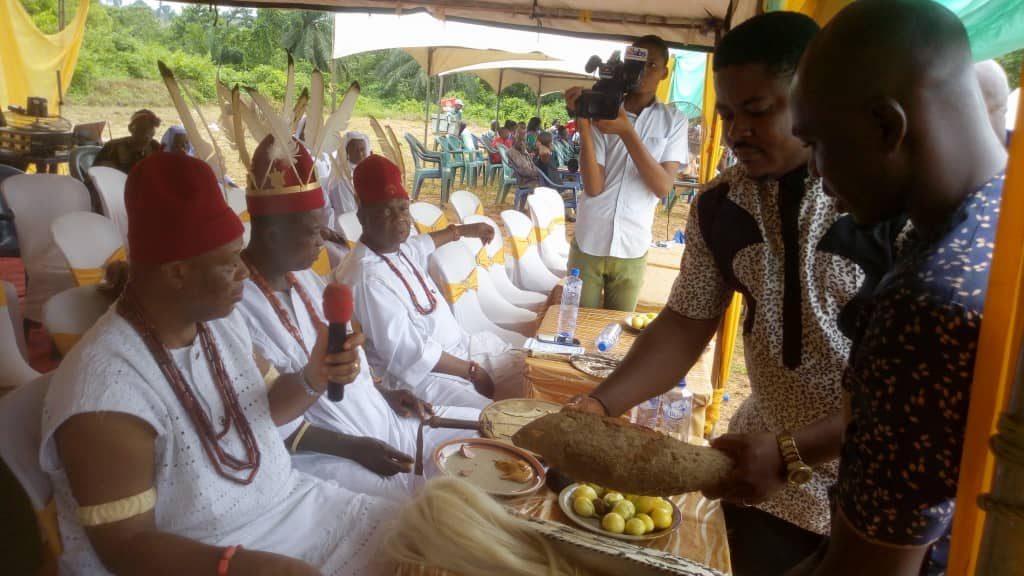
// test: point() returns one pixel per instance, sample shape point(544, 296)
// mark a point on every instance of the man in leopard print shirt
point(765, 229)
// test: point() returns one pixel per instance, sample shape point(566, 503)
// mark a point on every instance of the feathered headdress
point(207, 151)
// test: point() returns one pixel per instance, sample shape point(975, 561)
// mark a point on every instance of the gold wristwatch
point(797, 472)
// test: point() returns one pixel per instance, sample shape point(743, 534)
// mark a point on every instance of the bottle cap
point(602, 346)
point(682, 383)
point(575, 273)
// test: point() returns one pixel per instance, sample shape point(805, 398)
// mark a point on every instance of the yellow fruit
point(635, 527)
point(597, 489)
point(612, 522)
point(662, 504)
point(637, 322)
point(624, 508)
point(662, 518)
point(645, 504)
point(583, 506)
point(584, 491)
point(632, 498)
point(652, 315)
point(648, 522)
point(610, 498)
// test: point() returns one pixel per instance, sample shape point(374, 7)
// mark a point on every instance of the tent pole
point(426, 99)
point(497, 99)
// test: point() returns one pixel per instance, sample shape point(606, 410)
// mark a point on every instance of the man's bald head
point(995, 90)
point(887, 97)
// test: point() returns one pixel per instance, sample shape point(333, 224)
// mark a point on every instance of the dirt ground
point(665, 225)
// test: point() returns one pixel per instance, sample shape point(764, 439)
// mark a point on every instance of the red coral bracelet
point(225, 560)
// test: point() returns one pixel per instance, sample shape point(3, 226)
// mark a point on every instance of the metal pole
point(497, 100)
point(60, 15)
point(426, 100)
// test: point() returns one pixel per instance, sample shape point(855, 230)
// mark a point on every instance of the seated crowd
point(188, 432)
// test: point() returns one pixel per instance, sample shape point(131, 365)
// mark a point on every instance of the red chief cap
point(176, 210)
point(377, 179)
point(282, 185)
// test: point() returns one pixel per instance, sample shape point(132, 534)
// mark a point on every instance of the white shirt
point(626, 206)
point(403, 345)
point(363, 411)
point(112, 370)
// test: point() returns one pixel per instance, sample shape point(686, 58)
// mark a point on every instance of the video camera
point(617, 78)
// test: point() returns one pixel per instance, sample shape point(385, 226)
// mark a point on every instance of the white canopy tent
point(543, 77)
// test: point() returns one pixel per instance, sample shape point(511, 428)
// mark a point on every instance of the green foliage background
point(117, 63)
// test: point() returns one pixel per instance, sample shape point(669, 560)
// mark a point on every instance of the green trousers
point(609, 283)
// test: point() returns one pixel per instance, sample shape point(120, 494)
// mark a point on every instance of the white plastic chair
point(453, 267)
point(10, 294)
point(14, 369)
point(36, 200)
point(69, 315)
point(89, 242)
point(235, 197)
point(350, 227)
point(427, 218)
point(109, 183)
point(495, 306)
point(548, 214)
point(532, 301)
point(466, 204)
point(528, 270)
point(21, 431)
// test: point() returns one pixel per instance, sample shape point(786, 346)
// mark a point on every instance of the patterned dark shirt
point(909, 380)
point(121, 154)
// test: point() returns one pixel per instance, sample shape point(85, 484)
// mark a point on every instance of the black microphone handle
point(336, 336)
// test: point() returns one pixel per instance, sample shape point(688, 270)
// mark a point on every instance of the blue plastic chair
point(420, 158)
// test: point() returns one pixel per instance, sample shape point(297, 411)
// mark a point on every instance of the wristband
point(309, 390)
point(474, 369)
point(225, 559)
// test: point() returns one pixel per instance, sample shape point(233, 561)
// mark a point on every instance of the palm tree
point(399, 74)
point(308, 36)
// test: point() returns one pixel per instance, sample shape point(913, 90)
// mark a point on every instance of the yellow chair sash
point(543, 233)
point(520, 245)
point(453, 292)
point(93, 276)
point(48, 525)
point(499, 257)
point(322, 266)
point(440, 224)
point(482, 258)
point(244, 216)
point(64, 341)
point(3, 293)
point(479, 210)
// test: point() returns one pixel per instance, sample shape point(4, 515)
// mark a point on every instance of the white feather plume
point(315, 111)
point(237, 127)
point(284, 147)
point(203, 149)
point(289, 90)
point(226, 119)
point(330, 137)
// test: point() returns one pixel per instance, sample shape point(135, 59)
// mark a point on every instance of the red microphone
point(338, 311)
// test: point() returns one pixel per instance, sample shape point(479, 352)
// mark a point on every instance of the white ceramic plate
point(594, 524)
point(480, 470)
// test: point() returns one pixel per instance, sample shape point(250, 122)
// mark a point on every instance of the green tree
point(308, 36)
point(1012, 63)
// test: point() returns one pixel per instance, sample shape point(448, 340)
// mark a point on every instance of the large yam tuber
point(622, 456)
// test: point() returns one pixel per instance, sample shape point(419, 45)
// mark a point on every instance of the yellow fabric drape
point(820, 10)
point(710, 156)
point(520, 245)
point(30, 60)
point(93, 276)
point(482, 259)
point(322, 266)
point(665, 86)
point(440, 224)
point(452, 292)
point(543, 233)
point(996, 364)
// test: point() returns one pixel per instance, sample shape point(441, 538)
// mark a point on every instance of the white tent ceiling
point(542, 77)
point(437, 46)
point(683, 23)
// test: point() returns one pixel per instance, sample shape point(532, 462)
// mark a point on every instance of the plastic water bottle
point(646, 413)
point(608, 337)
point(570, 306)
point(676, 409)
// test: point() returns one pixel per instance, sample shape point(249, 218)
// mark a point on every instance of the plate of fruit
point(617, 515)
point(639, 321)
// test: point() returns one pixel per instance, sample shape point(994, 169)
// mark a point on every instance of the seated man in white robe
point(366, 442)
point(159, 433)
point(339, 197)
point(413, 339)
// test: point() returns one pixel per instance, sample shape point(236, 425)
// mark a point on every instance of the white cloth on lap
point(281, 510)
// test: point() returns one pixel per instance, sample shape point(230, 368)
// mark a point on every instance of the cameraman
point(628, 165)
